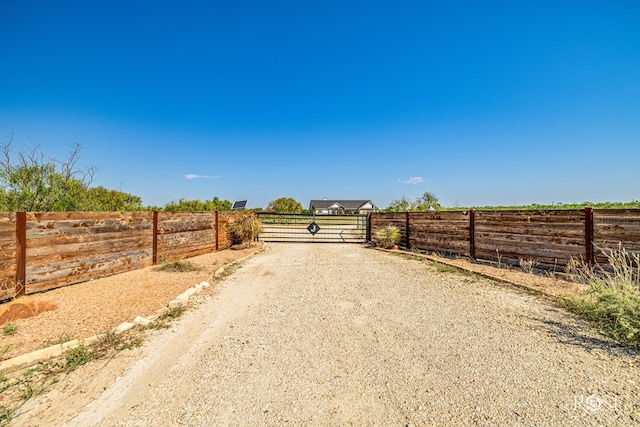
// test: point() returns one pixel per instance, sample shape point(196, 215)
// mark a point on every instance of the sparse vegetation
point(388, 237)
point(614, 302)
point(5, 349)
point(165, 318)
point(528, 265)
point(78, 356)
point(61, 339)
point(445, 268)
point(245, 229)
point(179, 266)
point(9, 329)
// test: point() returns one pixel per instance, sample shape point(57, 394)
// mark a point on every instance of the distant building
point(341, 207)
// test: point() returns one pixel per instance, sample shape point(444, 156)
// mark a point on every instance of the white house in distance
point(341, 207)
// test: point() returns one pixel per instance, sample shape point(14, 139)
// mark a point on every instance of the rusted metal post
point(472, 234)
point(369, 227)
point(407, 243)
point(217, 233)
point(21, 253)
point(155, 238)
point(588, 234)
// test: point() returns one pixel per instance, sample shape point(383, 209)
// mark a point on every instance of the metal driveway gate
point(308, 228)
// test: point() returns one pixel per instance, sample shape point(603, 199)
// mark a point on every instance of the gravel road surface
point(328, 334)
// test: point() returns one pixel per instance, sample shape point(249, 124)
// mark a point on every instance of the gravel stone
point(329, 334)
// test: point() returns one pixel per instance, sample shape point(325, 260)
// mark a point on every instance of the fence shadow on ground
point(579, 333)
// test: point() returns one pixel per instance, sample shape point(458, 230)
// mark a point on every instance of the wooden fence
point(551, 237)
point(46, 250)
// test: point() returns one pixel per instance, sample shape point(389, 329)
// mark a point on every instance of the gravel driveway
point(328, 334)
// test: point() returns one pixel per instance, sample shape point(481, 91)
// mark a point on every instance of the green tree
point(423, 203)
point(428, 201)
point(285, 205)
point(31, 181)
point(400, 205)
point(102, 199)
point(198, 205)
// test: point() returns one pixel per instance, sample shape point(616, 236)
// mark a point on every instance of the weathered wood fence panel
point(616, 227)
point(380, 220)
point(185, 234)
point(7, 254)
point(70, 247)
point(446, 231)
point(549, 237)
point(45, 250)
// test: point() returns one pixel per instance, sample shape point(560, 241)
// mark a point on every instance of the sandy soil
point(94, 307)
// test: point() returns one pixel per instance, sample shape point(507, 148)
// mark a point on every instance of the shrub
point(388, 237)
point(178, 266)
point(614, 302)
point(246, 228)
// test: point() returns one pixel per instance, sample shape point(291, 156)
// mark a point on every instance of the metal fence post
point(154, 259)
point(217, 232)
point(588, 234)
point(472, 234)
point(406, 232)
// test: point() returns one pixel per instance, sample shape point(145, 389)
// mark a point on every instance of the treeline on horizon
point(634, 204)
point(31, 181)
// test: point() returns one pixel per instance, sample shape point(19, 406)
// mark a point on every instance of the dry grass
point(179, 266)
point(388, 237)
point(614, 301)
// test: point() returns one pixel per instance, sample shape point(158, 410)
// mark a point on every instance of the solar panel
point(240, 204)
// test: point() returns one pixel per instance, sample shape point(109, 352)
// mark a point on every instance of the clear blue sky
point(479, 102)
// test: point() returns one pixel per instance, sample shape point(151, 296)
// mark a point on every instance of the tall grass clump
point(614, 301)
point(178, 266)
point(246, 229)
point(388, 237)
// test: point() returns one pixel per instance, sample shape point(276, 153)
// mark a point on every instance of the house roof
point(346, 204)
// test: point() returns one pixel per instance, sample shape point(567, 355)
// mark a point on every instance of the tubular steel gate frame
point(311, 228)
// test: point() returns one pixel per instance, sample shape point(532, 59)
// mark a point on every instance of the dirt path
point(343, 335)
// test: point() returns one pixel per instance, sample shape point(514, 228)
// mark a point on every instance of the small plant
point(179, 266)
point(29, 390)
point(35, 370)
point(528, 265)
point(614, 302)
point(5, 349)
point(388, 237)
point(110, 340)
point(6, 415)
point(9, 329)
point(246, 229)
point(78, 356)
point(165, 318)
point(499, 258)
point(63, 338)
point(445, 268)
point(128, 344)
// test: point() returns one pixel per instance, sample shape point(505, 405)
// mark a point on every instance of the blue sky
point(481, 103)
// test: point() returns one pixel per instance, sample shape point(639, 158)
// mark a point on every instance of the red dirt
point(24, 309)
